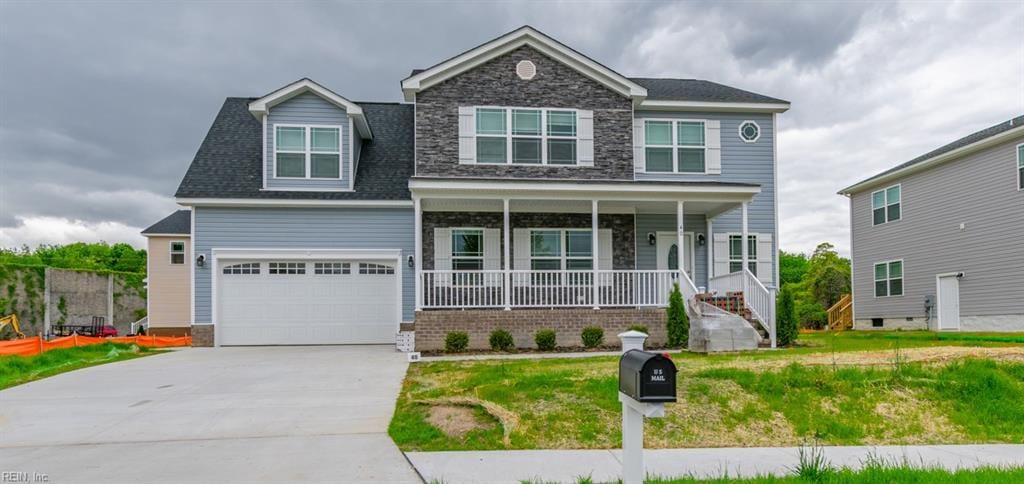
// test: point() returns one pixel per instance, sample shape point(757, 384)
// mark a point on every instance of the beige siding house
point(936, 242)
point(169, 263)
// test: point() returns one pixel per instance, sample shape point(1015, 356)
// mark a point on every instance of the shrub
point(501, 340)
point(545, 339)
point(456, 341)
point(592, 337)
point(678, 322)
point(785, 320)
point(639, 327)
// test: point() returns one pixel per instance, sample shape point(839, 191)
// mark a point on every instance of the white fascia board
point(305, 254)
point(182, 236)
point(246, 202)
point(935, 160)
point(262, 106)
point(656, 105)
point(476, 189)
point(511, 41)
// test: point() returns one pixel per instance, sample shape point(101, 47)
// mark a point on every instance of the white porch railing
point(536, 289)
point(757, 298)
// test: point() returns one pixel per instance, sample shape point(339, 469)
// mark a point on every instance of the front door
point(949, 303)
point(668, 258)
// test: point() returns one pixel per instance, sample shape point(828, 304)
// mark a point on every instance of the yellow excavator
point(12, 321)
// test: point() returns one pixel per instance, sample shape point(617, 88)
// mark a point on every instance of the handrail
point(144, 322)
point(840, 315)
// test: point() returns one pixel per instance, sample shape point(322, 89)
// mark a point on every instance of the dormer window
point(307, 151)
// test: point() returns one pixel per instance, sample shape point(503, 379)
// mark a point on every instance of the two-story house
point(938, 242)
point(521, 185)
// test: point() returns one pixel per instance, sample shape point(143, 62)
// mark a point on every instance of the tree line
point(99, 256)
point(808, 287)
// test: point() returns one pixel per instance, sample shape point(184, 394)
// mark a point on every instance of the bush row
point(545, 339)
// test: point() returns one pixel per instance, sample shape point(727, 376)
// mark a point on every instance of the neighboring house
point(518, 177)
point(168, 276)
point(938, 241)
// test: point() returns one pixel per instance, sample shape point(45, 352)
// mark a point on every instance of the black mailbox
point(647, 377)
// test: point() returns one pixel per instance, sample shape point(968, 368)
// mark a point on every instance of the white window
point(331, 268)
point(889, 278)
point(736, 253)
point(244, 268)
point(886, 206)
point(381, 269)
point(527, 136)
point(307, 151)
point(561, 249)
point(177, 252)
point(1020, 166)
point(749, 131)
point(281, 268)
point(675, 146)
point(467, 249)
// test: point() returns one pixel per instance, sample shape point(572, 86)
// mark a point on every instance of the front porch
point(534, 245)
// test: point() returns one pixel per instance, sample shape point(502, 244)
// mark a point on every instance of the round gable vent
point(526, 70)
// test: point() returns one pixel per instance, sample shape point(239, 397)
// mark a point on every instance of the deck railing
point(543, 289)
point(840, 315)
point(759, 300)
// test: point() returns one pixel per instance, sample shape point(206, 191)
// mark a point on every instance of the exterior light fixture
point(411, 261)
point(201, 260)
point(701, 240)
point(651, 238)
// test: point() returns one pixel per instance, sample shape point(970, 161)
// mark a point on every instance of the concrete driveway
point(268, 414)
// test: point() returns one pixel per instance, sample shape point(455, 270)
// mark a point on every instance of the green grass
point(755, 399)
point(874, 475)
point(16, 370)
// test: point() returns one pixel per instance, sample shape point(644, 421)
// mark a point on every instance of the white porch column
point(680, 238)
point(709, 243)
point(506, 292)
point(594, 245)
point(745, 250)
point(418, 237)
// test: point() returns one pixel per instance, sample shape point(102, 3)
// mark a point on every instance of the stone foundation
point(202, 335)
point(170, 331)
point(432, 326)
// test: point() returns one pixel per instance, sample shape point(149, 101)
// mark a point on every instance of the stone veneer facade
point(432, 326)
point(202, 335)
point(495, 83)
point(622, 226)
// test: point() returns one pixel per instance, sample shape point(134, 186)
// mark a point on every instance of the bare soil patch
point(455, 421)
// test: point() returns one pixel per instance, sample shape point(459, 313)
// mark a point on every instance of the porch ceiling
point(710, 209)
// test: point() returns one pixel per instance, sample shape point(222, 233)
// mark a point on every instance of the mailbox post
point(647, 381)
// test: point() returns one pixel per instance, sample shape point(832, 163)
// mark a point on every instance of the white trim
point(171, 252)
point(577, 191)
point(888, 279)
point(258, 202)
point(418, 251)
point(887, 204)
point(192, 265)
point(728, 253)
point(776, 241)
point(351, 157)
point(739, 130)
point(308, 152)
point(182, 236)
point(513, 40)
point(691, 248)
point(713, 106)
point(675, 146)
point(262, 105)
point(263, 173)
point(923, 165)
point(938, 300)
point(308, 189)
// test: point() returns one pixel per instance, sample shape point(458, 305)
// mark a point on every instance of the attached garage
point(305, 298)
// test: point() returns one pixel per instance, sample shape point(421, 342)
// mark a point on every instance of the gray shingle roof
point(229, 162)
point(960, 143)
point(177, 223)
point(699, 90)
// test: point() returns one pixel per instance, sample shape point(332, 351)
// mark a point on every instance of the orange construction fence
point(36, 345)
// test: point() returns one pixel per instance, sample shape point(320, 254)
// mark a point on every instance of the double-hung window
point(467, 249)
point(675, 146)
point(736, 253)
point(557, 249)
point(177, 252)
point(307, 151)
point(1020, 166)
point(889, 278)
point(526, 136)
point(886, 206)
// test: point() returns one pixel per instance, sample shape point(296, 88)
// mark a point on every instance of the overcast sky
point(103, 104)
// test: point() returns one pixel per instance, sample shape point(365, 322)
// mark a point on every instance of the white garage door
point(267, 302)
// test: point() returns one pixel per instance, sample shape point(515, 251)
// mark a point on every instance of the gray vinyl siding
point(741, 162)
point(308, 109)
point(979, 191)
point(292, 228)
point(646, 254)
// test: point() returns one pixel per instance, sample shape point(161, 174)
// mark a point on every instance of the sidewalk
point(605, 465)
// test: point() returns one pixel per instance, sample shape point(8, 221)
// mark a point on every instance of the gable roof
point(229, 163)
point(963, 146)
point(177, 223)
point(525, 35)
point(261, 106)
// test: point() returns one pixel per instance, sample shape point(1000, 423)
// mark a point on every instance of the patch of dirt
point(455, 421)
point(509, 420)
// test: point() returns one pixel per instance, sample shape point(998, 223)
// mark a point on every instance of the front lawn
point(15, 370)
point(845, 389)
point(873, 475)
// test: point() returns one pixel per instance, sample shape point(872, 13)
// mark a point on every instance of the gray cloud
point(102, 105)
